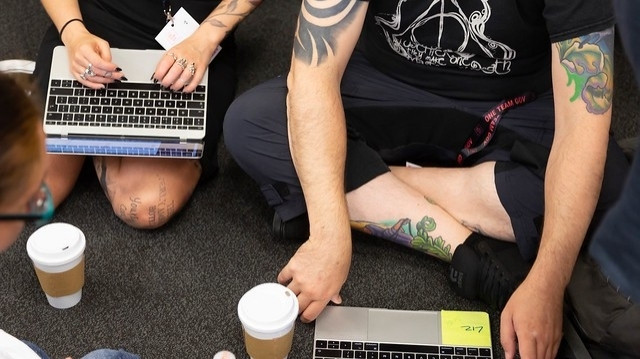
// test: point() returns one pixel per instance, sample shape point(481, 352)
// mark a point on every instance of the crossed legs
point(430, 209)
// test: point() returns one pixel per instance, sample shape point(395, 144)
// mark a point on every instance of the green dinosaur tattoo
point(402, 232)
point(423, 241)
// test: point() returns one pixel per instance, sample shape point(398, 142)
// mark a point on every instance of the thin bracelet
point(69, 22)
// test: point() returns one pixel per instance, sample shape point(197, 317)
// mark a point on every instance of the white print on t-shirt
point(406, 36)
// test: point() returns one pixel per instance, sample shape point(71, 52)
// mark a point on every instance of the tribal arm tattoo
point(319, 25)
point(230, 13)
point(402, 231)
point(588, 61)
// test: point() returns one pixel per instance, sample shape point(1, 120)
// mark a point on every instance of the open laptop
point(350, 332)
point(131, 118)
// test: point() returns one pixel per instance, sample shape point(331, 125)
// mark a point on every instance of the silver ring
point(83, 77)
point(173, 56)
point(89, 71)
point(182, 62)
point(192, 68)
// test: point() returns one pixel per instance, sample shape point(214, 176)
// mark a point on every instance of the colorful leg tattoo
point(404, 233)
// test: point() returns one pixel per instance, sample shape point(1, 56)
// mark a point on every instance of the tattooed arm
point(201, 45)
point(326, 35)
point(226, 16)
point(582, 70)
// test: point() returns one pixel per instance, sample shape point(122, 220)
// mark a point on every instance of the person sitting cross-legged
point(455, 128)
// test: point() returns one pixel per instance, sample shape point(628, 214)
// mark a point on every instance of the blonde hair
point(20, 141)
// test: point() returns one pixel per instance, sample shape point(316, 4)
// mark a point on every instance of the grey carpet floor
point(172, 292)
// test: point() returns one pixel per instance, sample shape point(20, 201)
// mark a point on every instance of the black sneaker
point(487, 269)
point(296, 229)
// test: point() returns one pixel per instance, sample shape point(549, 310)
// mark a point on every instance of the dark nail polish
point(118, 69)
point(124, 78)
point(118, 81)
point(152, 76)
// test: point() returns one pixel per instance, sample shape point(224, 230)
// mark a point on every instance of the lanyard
point(485, 129)
point(166, 5)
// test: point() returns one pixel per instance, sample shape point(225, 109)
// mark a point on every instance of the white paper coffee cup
point(268, 313)
point(57, 252)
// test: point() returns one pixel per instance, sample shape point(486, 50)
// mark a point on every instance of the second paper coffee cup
point(268, 313)
point(57, 252)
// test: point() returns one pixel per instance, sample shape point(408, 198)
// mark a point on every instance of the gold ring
point(182, 62)
point(173, 56)
point(192, 68)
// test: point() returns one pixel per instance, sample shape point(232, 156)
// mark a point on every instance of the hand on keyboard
point(90, 57)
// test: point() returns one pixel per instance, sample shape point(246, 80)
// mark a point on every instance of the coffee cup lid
point(56, 244)
point(268, 308)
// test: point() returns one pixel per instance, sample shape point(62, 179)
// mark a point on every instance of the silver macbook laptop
point(131, 118)
point(350, 332)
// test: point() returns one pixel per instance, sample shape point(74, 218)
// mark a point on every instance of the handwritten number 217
point(472, 328)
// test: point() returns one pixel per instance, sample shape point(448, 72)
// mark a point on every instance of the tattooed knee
point(137, 213)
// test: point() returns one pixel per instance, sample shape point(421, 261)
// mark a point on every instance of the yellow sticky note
point(465, 328)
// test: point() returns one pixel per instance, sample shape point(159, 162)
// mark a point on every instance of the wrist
point(335, 229)
point(548, 278)
point(69, 22)
point(210, 37)
point(70, 29)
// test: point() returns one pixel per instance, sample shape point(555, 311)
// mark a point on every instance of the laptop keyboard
point(368, 350)
point(124, 104)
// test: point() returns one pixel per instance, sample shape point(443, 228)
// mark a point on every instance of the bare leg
point(389, 208)
point(468, 194)
point(62, 174)
point(147, 192)
point(430, 209)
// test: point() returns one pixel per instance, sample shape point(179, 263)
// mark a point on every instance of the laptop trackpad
point(411, 327)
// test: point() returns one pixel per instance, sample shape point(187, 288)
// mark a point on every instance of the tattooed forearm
point(403, 232)
point(588, 61)
point(229, 15)
point(318, 25)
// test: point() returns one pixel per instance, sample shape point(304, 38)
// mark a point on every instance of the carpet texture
point(172, 292)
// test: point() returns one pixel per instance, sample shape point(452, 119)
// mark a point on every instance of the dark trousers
point(389, 123)
point(616, 244)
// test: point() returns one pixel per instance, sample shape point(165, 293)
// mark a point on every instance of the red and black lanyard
point(486, 128)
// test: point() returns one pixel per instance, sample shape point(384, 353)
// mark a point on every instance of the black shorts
point(391, 123)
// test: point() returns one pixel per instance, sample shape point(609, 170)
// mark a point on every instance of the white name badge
point(182, 26)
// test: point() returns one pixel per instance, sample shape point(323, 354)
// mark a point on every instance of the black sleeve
point(567, 19)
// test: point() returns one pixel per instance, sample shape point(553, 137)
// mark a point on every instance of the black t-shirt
point(135, 23)
point(480, 49)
